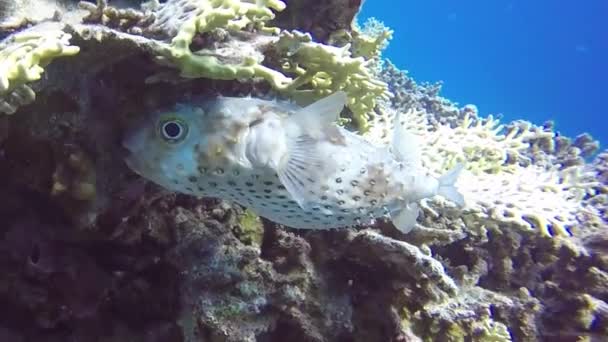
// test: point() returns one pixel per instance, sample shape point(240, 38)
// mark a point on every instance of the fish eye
point(173, 130)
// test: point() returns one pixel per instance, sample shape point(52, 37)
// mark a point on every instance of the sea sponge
point(23, 57)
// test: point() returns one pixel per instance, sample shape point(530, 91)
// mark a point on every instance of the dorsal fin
point(405, 144)
point(317, 116)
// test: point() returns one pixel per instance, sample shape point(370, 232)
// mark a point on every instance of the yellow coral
point(250, 229)
point(371, 39)
point(529, 198)
point(24, 55)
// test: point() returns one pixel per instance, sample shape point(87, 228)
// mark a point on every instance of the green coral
point(23, 57)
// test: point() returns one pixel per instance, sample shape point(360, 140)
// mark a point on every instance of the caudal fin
point(405, 218)
point(447, 187)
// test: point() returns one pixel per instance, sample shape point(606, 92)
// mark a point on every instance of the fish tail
point(447, 187)
point(405, 218)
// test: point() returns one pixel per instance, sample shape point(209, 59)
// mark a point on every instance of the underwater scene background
point(459, 226)
point(538, 60)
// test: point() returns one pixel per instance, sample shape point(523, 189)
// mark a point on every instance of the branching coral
point(322, 69)
point(371, 39)
point(232, 15)
point(483, 144)
point(502, 186)
point(318, 69)
point(530, 198)
point(23, 57)
point(124, 19)
point(230, 40)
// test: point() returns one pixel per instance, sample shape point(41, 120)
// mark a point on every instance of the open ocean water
point(534, 60)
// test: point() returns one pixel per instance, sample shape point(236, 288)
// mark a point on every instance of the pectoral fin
point(405, 219)
point(303, 164)
point(300, 170)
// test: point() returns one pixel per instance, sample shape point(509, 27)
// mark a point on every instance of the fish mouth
point(125, 153)
point(129, 158)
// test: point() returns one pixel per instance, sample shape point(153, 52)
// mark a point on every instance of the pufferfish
point(292, 165)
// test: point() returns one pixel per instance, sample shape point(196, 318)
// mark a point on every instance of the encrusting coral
point(524, 260)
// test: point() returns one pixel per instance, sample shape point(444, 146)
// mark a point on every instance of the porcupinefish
point(292, 165)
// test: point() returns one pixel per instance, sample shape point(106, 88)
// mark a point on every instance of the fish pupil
point(172, 130)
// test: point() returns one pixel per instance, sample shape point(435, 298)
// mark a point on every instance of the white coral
point(498, 189)
point(530, 198)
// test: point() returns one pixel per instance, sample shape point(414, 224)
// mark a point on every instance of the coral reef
point(92, 252)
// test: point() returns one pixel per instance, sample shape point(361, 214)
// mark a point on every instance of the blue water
point(527, 59)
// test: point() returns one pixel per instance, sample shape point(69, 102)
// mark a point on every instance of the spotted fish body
point(292, 165)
